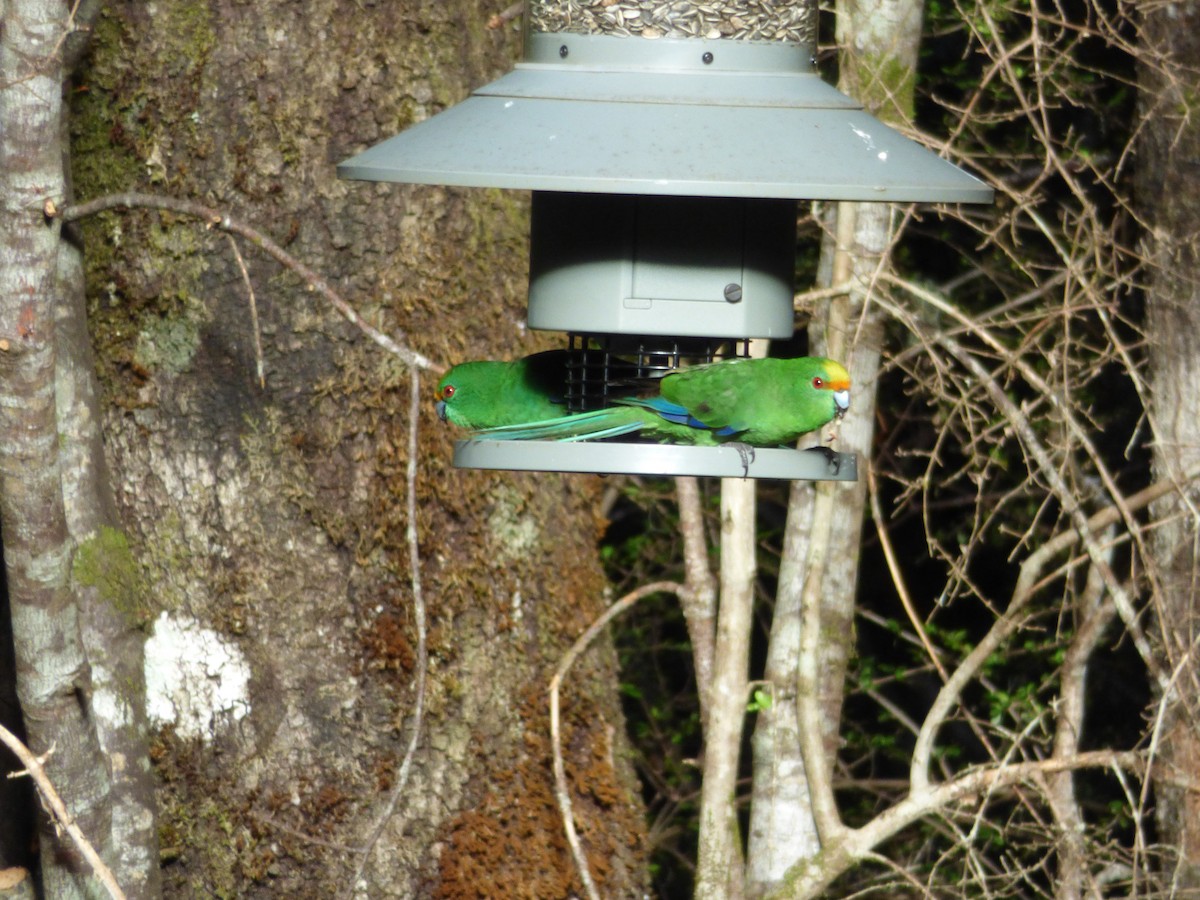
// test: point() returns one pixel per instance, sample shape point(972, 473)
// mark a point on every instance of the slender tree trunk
point(53, 678)
point(782, 827)
point(879, 41)
point(1168, 183)
point(719, 867)
point(105, 581)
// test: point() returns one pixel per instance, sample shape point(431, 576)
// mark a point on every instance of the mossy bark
point(50, 662)
point(274, 514)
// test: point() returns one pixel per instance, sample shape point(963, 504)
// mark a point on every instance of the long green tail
point(585, 426)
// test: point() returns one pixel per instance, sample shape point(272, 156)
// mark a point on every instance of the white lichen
point(196, 679)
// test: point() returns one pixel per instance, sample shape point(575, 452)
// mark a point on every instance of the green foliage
point(760, 699)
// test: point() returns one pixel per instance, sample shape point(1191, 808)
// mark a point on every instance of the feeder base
point(623, 458)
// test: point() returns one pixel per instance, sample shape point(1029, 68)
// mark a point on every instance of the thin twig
point(419, 614)
point(59, 812)
point(1034, 446)
point(224, 222)
point(889, 555)
point(1028, 581)
point(561, 789)
point(258, 351)
point(264, 819)
point(1020, 423)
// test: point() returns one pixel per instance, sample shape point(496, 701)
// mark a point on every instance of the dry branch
point(698, 599)
point(62, 818)
point(213, 218)
point(809, 878)
point(255, 330)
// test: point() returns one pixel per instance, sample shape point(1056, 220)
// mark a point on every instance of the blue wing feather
point(673, 412)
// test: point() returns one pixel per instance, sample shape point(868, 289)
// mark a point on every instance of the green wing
point(492, 393)
point(764, 402)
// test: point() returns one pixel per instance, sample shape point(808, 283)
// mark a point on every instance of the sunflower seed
point(729, 19)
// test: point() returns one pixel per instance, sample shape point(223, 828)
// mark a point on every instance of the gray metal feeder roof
point(601, 114)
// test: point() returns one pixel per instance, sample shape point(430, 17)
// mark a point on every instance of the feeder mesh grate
point(601, 366)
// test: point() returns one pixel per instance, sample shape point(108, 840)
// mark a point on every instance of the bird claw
point(832, 458)
point(746, 453)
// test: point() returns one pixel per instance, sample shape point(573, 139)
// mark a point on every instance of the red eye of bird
point(818, 383)
point(448, 392)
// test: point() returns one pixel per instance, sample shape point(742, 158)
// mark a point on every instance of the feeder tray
point(627, 458)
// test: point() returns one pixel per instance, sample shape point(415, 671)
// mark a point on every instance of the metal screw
point(733, 293)
point(563, 51)
point(707, 58)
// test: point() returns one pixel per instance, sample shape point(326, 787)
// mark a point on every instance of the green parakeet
point(488, 393)
point(757, 402)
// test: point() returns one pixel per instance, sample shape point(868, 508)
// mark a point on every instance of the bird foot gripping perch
point(746, 452)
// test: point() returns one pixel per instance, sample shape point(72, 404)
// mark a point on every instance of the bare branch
point(1068, 499)
point(808, 878)
point(699, 595)
point(720, 866)
point(58, 810)
point(224, 222)
point(257, 332)
point(889, 556)
point(1027, 583)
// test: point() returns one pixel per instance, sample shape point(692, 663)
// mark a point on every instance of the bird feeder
point(666, 143)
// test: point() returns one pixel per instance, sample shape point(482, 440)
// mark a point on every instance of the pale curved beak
point(440, 406)
point(842, 399)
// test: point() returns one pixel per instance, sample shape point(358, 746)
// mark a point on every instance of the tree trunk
point(1167, 185)
point(879, 41)
point(719, 865)
point(53, 679)
point(269, 522)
